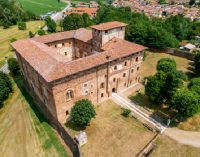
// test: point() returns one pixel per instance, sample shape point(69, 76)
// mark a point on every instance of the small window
point(136, 79)
point(130, 81)
point(121, 28)
point(65, 53)
point(101, 95)
point(67, 112)
point(114, 79)
point(124, 84)
point(115, 67)
point(132, 70)
point(69, 94)
point(138, 68)
point(86, 92)
point(125, 63)
point(63, 44)
point(124, 74)
point(136, 59)
point(70, 43)
point(55, 46)
point(105, 76)
point(102, 85)
point(106, 31)
point(85, 84)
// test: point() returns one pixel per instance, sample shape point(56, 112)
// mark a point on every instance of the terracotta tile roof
point(53, 66)
point(109, 25)
point(80, 34)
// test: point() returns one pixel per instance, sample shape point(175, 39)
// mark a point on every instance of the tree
point(192, 2)
point(82, 112)
point(186, 102)
point(73, 21)
point(155, 87)
point(21, 25)
point(41, 32)
point(50, 24)
point(162, 2)
point(31, 35)
point(13, 66)
point(166, 65)
point(86, 20)
point(5, 87)
point(194, 85)
point(197, 63)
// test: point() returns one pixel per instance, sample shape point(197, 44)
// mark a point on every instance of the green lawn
point(41, 6)
point(13, 32)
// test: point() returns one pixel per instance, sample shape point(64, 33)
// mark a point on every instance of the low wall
point(180, 53)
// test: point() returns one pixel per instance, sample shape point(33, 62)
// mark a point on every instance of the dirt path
point(185, 137)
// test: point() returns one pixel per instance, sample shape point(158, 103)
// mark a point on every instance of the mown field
point(24, 132)
point(7, 34)
point(112, 135)
point(39, 7)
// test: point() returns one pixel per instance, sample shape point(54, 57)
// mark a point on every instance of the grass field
point(25, 133)
point(7, 34)
point(112, 135)
point(39, 7)
point(167, 147)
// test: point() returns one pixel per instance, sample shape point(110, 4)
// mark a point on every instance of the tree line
point(12, 12)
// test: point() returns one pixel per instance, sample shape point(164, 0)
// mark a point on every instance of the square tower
point(104, 32)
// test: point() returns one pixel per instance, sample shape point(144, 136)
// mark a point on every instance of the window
point(132, 70)
point(138, 68)
point(115, 67)
point(121, 28)
point(124, 74)
point(114, 79)
point(69, 94)
point(85, 84)
point(86, 92)
point(65, 53)
point(130, 81)
point(101, 95)
point(67, 112)
point(55, 46)
point(136, 79)
point(105, 76)
point(102, 85)
point(125, 63)
point(124, 84)
point(106, 31)
point(70, 43)
point(63, 44)
point(136, 59)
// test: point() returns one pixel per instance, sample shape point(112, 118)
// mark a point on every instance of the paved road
point(59, 15)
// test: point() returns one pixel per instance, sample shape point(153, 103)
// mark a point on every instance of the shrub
point(13, 66)
point(41, 32)
point(31, 35)
point(21, 25)
point(126, 112)
point(5, 87)
point(166, 65)
point(82, 112)
point(13, 40)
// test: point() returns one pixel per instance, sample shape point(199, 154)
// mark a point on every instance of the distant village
point(150, 9)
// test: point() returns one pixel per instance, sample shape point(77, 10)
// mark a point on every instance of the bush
point(21, 25)
point(126, 112)
point(166, 65)
point(13, 40)
point(82, 112)
point(5, 87)
point(50, 24)
point(197, 63)
point(5, 25)
point(194, 85)
point(13, 66)
point(41, 32)
point(31, 35)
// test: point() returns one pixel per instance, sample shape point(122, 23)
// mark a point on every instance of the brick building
point(62, 68)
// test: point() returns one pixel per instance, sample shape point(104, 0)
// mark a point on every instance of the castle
point(64, 67)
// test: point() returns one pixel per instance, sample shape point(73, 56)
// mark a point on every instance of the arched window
point(101, 95)
point(136, 59)
point(69, 95)
point(124, 74)
point(115, 67)
point(102, 85)
point(114, 79)
point(125, 63)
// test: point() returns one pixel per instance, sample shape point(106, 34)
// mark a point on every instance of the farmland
point(39, 7)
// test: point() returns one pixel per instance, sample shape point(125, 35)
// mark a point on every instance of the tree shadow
point(19, 80)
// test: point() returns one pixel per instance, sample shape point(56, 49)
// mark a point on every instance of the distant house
point(90, 11)
point(189, 47)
